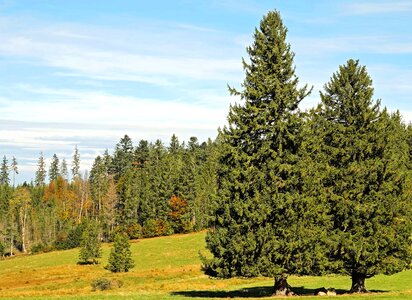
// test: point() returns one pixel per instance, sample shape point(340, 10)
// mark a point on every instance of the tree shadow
point(254, 292)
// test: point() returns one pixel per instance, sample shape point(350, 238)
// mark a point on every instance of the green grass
point(166, 268)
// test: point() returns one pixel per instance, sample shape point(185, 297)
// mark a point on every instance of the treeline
point(145, 190)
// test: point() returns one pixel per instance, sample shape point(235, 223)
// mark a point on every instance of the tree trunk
point(358, 283)
point(23, 232)
point(281, 287)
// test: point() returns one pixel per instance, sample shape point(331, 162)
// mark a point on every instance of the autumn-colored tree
point(180, 220)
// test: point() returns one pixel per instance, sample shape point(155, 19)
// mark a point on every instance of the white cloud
point(91, 107)
point(162, 57)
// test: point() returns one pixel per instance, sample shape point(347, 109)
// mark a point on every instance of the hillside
point(166, 268)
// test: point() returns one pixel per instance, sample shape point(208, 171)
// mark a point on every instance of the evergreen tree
point(14, 168)
point(122, 157)
point(120, 259)
point(41, 171)
point(366, 156)
point(54, 168)
point(76, 163)
point(127, 206)
point(142, 153)
point(256, 227)
point(63, 169)
point(98, 183)
point(206, 185)
point(90, 244)
point(174, 145)
point(4, 172)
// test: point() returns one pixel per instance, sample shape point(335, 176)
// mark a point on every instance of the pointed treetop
point(76, 163)
point(4, 172)
point(41, 171)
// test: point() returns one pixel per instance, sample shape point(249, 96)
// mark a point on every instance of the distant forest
point(147, 190)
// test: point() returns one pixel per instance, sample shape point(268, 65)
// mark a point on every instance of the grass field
point(166, 268)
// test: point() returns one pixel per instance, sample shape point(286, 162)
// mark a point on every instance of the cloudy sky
point(87, 72)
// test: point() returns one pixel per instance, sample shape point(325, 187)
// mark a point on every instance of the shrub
point(42, 248)
point(157, 227)
point(134, 231)
point(102, 284)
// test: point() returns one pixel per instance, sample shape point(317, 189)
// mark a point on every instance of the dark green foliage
point(157, 227)
point(4, 172)
point(2, 250)
point(72, 240)
point(122, 157)
point(54, 168)
point(90, 244)
point(365, 156)
point(120, 259)
point(76, 163)
point(42, 248)
point(258, 227)
point(134, 231)
point(41, 171)
point(99, 182)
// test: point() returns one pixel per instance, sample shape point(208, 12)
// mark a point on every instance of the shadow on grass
point(253, 292)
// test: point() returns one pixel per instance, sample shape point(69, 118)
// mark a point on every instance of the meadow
point(166, 268)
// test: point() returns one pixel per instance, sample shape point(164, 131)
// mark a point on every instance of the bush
point(157, 227)
point(102, 284)
point(134, 231)
point(42, 248)
point(69, 240)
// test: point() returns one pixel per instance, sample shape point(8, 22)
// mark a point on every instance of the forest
point(281, 190)
point(146, 190)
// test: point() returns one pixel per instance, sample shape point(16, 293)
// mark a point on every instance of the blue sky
point(87, 72)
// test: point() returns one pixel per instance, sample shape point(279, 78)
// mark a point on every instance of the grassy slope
point(166, 268)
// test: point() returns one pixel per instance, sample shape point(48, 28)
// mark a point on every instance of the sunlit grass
point(166, 268)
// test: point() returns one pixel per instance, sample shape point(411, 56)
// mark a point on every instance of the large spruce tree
point(364, 154)
point(261, 225)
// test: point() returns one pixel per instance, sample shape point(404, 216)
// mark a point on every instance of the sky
point(85, 73)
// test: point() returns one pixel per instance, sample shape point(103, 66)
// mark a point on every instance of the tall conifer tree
point(76, 163)
point(255, 231)
point(54, 171)
point(41, 171)
point(366, 155)
point(14, 168)
point(4, 172)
